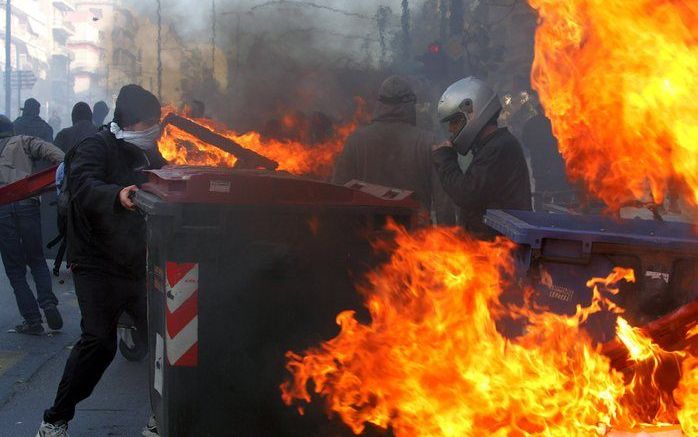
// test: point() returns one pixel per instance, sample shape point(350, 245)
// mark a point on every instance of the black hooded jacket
point(101, 233)
point(392, 151)
point(73, 135)
point(33, 126)
point(497, 178)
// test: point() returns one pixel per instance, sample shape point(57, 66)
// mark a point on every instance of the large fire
point(432, 360)
point(296, 156)
point(618, 79)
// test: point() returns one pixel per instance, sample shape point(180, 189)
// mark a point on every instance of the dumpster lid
point(531, 228)
point(187, 184)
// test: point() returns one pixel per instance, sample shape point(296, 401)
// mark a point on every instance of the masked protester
point(31, 124)
point(392, 151)
point(99, 113)
point(106, 243)
point(20, 231)
point(82, 128)
point(497, 177)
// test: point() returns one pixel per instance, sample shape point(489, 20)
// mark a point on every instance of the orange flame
point(687, 397)
point(294, 156)
point(432, 362)
point(618, 79)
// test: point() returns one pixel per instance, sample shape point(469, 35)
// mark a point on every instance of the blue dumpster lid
point(531, 228)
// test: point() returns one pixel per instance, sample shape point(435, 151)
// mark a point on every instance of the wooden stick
point(246, 158)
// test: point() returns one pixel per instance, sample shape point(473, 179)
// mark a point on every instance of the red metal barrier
point(28, 187)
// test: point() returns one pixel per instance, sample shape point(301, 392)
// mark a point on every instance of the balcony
point(63, 52)
point(62, 29)
point(64, 6)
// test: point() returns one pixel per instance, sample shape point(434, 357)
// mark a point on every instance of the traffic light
point(435, 63)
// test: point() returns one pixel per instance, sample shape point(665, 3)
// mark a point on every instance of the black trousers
point(103, 297)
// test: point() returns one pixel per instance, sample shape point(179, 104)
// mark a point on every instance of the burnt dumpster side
point(232, 288)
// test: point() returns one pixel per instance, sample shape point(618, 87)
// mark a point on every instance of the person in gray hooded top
point(392, 151)
point(20, 230)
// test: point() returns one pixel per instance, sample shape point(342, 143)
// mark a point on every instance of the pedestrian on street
point(106, 244)
point(100, 110)
point(82, 128)
point(20, 231)
point(31, 124)
point(497, 177)
point(392, 151)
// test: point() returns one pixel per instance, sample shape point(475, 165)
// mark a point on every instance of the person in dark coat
point(99, 113)
point(106, 243)
point(82, 128)
point(30, 124)
point(547, 165)
point(392, 151)
point(497, 177)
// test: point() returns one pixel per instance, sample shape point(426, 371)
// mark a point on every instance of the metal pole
point(238, 43)
point(406, 38)
point(8, 54)
point(213, 38)
point(19, 81)
point(159, 52)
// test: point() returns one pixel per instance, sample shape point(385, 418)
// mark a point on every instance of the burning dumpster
point(244, 265)
point(560, 252)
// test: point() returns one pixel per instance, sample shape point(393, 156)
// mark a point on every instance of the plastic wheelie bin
point(559, 253)
point(244, 266)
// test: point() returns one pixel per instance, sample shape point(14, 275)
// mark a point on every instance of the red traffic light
point(435, 48)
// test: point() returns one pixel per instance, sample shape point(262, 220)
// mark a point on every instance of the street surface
point(31, 367)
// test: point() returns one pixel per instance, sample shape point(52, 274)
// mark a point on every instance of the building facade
point(40, 30)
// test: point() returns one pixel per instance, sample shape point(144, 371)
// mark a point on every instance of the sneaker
point(151, 430)
point(59, 429)
point(29, 328)
point(53, 317)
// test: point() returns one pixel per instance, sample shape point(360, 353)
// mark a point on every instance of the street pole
point(406, 38)
point(19, 81)
point(159, 52)
point(237, 49)
point(213, 38)
point(8, 61)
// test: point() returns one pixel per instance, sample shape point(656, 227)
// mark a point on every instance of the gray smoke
point(287, 56)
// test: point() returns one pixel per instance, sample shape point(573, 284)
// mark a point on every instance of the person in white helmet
point(497, 177)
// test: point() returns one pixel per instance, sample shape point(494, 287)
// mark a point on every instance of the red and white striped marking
point(181, 314)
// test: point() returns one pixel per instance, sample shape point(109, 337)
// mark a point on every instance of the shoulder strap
point(108, 137)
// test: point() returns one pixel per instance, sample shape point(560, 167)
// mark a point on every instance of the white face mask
point(144, 139)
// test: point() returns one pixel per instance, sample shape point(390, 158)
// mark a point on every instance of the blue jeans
point(21, 247)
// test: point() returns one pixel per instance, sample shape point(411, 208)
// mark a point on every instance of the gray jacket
point(392, 151)
point(19, 154)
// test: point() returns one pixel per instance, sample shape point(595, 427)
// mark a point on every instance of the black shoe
point(29, 328)
point(53, 317)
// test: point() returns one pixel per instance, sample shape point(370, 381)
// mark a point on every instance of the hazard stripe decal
point(181, 314)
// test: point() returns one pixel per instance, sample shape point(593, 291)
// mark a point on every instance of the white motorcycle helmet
point(473, 99)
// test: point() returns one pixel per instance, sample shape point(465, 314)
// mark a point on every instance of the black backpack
point(63, 205)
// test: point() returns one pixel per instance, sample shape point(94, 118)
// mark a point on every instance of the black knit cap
point(7, 129)
point(135, 104)
point(81, 112)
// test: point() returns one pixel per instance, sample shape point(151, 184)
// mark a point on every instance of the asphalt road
point(31, 367)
